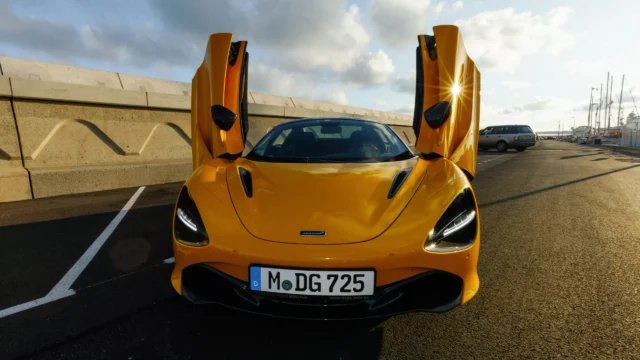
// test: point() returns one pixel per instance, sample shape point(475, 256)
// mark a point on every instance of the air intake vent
point(247, 183)
point(398, 181)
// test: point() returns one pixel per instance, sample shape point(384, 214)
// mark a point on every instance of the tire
point(521, 149)
point(501, 146)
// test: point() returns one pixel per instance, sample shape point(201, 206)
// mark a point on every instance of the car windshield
point(331, 140)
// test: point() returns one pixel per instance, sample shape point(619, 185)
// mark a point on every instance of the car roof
point(492, 126)
point(331, 118)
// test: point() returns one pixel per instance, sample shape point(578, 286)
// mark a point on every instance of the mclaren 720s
point(331, 218)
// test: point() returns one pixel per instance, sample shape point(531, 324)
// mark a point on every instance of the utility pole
point(558, 129)
point(609, 103)
point(606, 97)
point(620, 102)
point(590, 105)
point(599, 113)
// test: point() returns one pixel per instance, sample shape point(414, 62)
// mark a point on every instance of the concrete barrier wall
point(68, 130)
point(14, 179)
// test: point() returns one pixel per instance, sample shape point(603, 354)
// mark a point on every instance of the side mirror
point(437, 114)
point(223, 117)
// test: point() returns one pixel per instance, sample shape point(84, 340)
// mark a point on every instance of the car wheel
point(502, 146)
point(521, 149)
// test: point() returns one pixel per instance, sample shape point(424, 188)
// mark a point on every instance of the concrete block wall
point(66, 130)
point(14, 179)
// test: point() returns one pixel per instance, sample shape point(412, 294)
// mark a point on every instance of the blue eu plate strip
point(254, 278)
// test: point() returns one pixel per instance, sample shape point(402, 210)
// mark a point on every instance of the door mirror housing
point(223, 117)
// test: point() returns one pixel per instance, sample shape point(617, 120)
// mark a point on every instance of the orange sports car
point(331, 218)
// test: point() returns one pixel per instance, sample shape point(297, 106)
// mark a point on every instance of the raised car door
point(219, 116)
point(447, 105)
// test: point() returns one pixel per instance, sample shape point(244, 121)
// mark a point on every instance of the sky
point(538, 59)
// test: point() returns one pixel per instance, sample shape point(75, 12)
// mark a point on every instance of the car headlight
point(457, 228)
point(188, 227)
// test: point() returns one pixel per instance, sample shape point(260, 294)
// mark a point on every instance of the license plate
point(312, 282)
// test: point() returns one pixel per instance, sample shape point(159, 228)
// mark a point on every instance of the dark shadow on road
point(186, 331)
point(496, 152)
point(600, 159)
point(4, 155)
point(576, 156)
point(548, 149)
point(633, 161)
point(553, 187)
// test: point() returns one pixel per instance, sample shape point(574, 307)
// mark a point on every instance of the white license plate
point(312, 282)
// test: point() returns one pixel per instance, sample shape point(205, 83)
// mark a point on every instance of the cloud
point(273, 81)
point(488, 92)
point(457, 6)
point(405, 83)
point(498, 40)
point(145, 47)
point(303, 35)
point(439, 8)
point(313, 42)
point(584, 107)
point(406, 109)
point(541, 113)
point(538, 104)
point(380, 104)
point(336, 97)
point(370, 69)
point(384, 105)
point(396, 23)
point(516, 85)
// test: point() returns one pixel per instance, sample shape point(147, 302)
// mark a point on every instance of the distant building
point(583, 131)
point(633, 121)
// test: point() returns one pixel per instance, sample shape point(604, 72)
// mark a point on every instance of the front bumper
point(431, 291)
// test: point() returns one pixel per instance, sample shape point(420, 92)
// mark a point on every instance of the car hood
point(348, 202)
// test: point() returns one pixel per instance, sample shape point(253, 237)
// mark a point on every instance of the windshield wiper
point(402, 156)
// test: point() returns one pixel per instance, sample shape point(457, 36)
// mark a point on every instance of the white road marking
point(63, 287)
point(70, 277)
point(170, 260)
point(31, 304)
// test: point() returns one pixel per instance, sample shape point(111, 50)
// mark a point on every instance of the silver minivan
point(504, 137)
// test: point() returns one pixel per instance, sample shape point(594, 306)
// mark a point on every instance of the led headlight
point(188, 227)
point(457, 228)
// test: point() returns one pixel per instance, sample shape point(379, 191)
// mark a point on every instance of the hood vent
point(398, 181)
point(247, 182)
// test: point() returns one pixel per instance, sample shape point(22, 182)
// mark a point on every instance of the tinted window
point(525, 129)
point(330, 140)
point(500, 130)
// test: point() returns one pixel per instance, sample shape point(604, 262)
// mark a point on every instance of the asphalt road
point(559, 270)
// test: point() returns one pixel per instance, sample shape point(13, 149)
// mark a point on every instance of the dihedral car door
point(219, 117)
point(447, 105)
